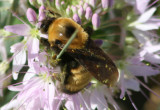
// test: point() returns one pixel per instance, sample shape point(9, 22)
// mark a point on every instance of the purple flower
point(150, 47)
point(30, 40)
point(37, 90)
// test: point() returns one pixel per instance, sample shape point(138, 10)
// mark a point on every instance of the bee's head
point(61, 30)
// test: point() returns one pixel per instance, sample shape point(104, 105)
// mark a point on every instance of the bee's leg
point(54, 62)
point(56, 76)
point(64, 74)
point(62, 77)
point(54, 57)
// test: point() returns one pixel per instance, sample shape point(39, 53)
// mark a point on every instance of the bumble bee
point(82, 60)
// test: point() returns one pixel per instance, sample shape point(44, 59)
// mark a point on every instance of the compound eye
point(58, 42)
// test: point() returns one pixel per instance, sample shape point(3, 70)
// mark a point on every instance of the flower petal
point(10, 105)
point(19, 29)
point(141, 5)
point(81, 11)
point(147, 26)
point(140, 35)
point(3, 51)
point(31, 15)
point(105, 3)
point(42, 14)
point(33, 49)
point(98, 100)
point(18, 62)
point(33, 45)
point(152, 58)
point(145, 16)
point(151, 48)
point(132, 84)
point(16, 47)
point(142, 70)
point(95, 21)
point(88, 14)
point(92, 2)
point(30, 73)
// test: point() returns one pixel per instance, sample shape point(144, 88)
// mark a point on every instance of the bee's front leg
point(61, 76)
point(54, 62)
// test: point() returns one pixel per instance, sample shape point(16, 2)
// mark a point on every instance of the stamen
point(131, 101)
point(5, 78)
point(97, 98)
point(20, 19)
point(147, 87)
point(83, 100)
point(155, 81)
point(142, 92)
point(107, 26)
point(112, 42)
point(152, 3)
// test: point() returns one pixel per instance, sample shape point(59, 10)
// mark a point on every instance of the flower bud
point(32, 2)
point(111, 2)
point(57, 4)
point(68, 10)
point(76, 18)
point(62, 2)
point(85, 6)
point(74, 9)
point(31, 15)
point(81, 2)
point(81, 11)
point(88, 14)
point(41, 2)
point(105, 4)
point(93, 3)
point(95, 21)
point(42, 14)
point(98, 42)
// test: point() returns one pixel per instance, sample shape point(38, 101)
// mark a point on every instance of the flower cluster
point(126, 30)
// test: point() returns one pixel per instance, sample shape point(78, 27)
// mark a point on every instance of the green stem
point(67, 44)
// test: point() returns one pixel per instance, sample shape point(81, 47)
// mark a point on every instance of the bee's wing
point(97, 63)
